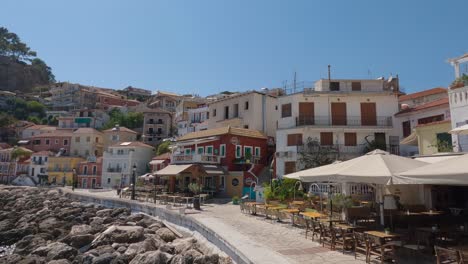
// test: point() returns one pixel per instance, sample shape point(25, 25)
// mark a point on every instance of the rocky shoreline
point(43, 226)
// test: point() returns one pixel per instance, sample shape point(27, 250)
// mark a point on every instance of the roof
point(132, 144)
point(435, 103)
point(41, 127)
point(240, 95)
point(156, 110)
point(86, 130)
point(43, 153)
point(4, 145)
point(172, 170)
point(213, 170)
point(56, 133)
point(121, 129)
point(223, 131)
point(167, 94)
point(437, 90)
point(464, 56)
point(164, 156)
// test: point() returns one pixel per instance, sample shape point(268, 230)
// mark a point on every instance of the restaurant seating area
point(420, 236)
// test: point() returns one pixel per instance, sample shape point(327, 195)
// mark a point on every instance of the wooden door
point(338, 111)
point(326, 138)
point(350, 139)
point(368, 114)
point(289, 167)
point(380, 141)
point(306, 113)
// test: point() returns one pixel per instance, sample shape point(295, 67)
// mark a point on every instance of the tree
point(163, 148)
point(44, 70)
point(36, 108)
point(313, 154)
point(11, 46)
point(35, 120)
point(129, 120)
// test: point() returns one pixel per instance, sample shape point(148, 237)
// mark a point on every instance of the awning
point(213, 170)
point(173, 170)
point(154, 162)
point(411, 140)
point(23, 142)
point(463, 130)
point(146, 176)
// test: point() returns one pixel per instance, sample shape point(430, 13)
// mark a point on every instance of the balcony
point(349, 121)
point(343, 152)
point(149, 122)
point(195, 158)
point(114, 169)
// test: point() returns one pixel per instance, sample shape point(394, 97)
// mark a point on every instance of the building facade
point(157, 126)
point(194, 120)
point(34, 130)
point(93, 118)
point(60, 169)
point(249, 110)
point(58, 141)
point(11, 167)
point(87, 142)
point(458, 99)
point(344, 118)
point(89, 173)
point(39, 165)
point(416, 110)
point(117, 135)
point(118, 162)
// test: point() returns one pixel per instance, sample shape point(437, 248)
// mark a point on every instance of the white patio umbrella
point(463, 130)
point(452, 171)
point(377, 167)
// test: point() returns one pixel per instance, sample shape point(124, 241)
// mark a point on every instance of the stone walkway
point(263, 241)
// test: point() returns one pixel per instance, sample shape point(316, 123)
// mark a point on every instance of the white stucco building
point(87, 142)
point(197, 120)
point(341, 115)
point(38, 166)
point(119, 159)
point(458, 98)
point(250, 110)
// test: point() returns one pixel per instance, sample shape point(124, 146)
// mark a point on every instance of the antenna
point(329, 74)
point(294, 82)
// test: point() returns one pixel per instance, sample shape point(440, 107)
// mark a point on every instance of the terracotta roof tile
point(435, 103)
point(56, 133)
point(41, 127)
point(43, 153)
point(86, 130)
point(132, 144)
point(121, 129)
point(432, 91)
point(162, 156)
point(223, 131)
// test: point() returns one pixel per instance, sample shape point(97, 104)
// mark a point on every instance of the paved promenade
point(263, 241)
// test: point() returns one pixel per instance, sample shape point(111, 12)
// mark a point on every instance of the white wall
point(458, 99)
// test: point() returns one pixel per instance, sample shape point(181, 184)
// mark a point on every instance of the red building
point(89, 173)
point(229, 159)
point(56, 141)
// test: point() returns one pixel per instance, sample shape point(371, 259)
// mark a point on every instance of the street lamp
point(133, 181)
point(330, 193)
point(73, 179)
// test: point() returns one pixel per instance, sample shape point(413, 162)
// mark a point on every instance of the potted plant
point(235, 200)
point(387, 230)
point(195, 188)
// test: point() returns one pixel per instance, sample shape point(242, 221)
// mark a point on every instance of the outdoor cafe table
point(292, 212)
point(174, 198)
point(349, 227)
point(298, 202)
point(312, 214)
point(432, 213)
point(383, 236)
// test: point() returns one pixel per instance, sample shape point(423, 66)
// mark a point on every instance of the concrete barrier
point(170, 216)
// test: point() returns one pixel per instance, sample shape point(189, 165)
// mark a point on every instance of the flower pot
point(196, 203)
point(387, 232)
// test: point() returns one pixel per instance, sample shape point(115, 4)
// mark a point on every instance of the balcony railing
point(343, 152)
point(355, 121)
point(114, 170)
point(195, 158)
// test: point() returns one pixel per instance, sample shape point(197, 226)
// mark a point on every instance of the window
point(356, 86)
point(88, 139)
point(37, 142)
point(85, 170)
point(289, 167)
point(222, 150)
point(246, 106)
point(209, 150)
point(368, 114)
point(246, 126)
point(226, 112)
point(75, 152)
point(326, 138)
point(115, 137)
point(294, 139)
point(406, 128)
point(47, 142)
point(430, 119)
point(56, 141)
point(444, 142)
point(87, 152)
point(338, 112)
point(334, 86)
point(207, 115)
point(257, 151)
point(214, 112)
point(248, 152)
point(108, 180)
point(236, 110)
point(97, 140)
point(238, 151)
point(187, 151)
point(286, 110)
point(77, 139)
point(94, 170)
point(350, 139)
point(45, 159)
point(200, 150)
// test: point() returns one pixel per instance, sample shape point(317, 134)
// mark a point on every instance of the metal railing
point(114, 169)
point(195, 158)
point(343, 152)
point(310, 120)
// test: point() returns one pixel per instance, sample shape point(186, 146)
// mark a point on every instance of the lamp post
point(73, 179)
point(133, 181)
point(330, 193)
point(298, 188)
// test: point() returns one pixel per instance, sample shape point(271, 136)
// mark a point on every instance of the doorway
point(380, 141)
point(84, 183)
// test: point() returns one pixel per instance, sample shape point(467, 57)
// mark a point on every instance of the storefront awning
point(173, 170)
point(155, 162)
point(213, 170)
point(411, 140)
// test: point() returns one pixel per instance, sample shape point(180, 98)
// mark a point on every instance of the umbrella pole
point(381, 205)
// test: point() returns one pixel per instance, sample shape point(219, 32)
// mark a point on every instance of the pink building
point(56, 141)
point(89, 173)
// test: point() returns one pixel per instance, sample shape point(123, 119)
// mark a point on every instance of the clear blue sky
point(198, 46)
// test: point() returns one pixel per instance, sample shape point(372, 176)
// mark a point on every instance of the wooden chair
point(361, 245)
point(446, 256)
point(380, 249)
point(315, 228)
point(303, 223)
point(260, 210)
point(343, 239)
point(243, 207)
point(327, 236)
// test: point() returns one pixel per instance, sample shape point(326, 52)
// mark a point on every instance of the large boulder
point(29, 243)
point(152, 257)
point(119, 234)
point(149, 244)
point(182, 245)
point(79, 241)
point(80, 230)
point(166, 234)
point(55, 251)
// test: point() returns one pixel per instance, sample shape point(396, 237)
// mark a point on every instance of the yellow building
point(434, 137)
point(60, 169)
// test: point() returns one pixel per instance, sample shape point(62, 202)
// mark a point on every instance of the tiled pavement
point(263, 241)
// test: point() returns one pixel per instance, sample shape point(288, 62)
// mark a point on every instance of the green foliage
point(22, 110)
point(315, 155)
point(460, 81)
point(45, 71)
point(282, 190)
point(18, 153)
point(11, 46)
point(341, 201)
point(130, 120)
point(163, 148)
point(235, 200)
point(34, 119)
point(195, 188)
point(6, 120)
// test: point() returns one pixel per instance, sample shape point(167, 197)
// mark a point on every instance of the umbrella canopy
point(375, 167)
point(446, 172)
point(463, 130)
point(146, 176)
